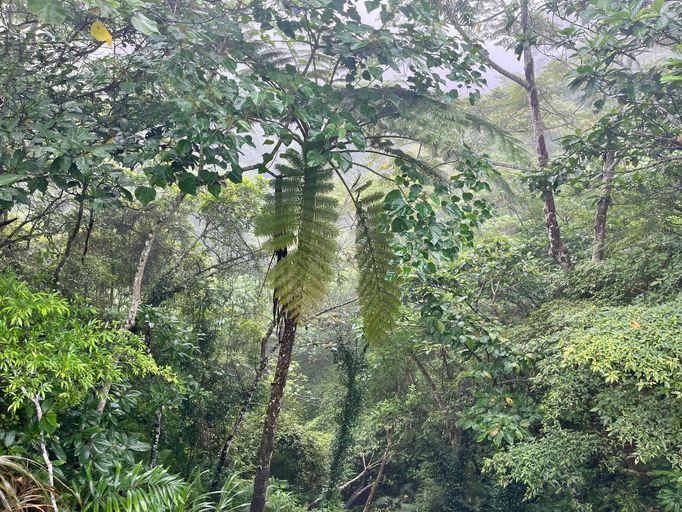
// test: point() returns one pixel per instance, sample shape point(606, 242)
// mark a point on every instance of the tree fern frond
point(378, 295)
point(431, 121)
point(300, 223)
point(427, 170)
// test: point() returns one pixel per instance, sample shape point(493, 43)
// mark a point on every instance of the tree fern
point(378, 295)
point(299, 220)
point(430, 121)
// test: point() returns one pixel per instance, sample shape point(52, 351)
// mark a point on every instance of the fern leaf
point(378, 295)
point(300, 223)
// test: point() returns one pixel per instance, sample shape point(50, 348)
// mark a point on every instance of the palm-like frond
point(299, 221)
point(379, 296)
point(20, 489)
point(135, 490)
point(232, 497)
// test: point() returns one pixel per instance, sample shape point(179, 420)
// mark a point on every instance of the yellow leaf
point(110, 140)
point(494, 432)
point(509, 400)
point(99, 31)
point(635, 324)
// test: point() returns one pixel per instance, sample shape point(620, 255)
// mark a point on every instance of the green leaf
point(49, 11)
point(48, 422)
point(144, 25)
point(183, 147)
point(145, 194)
point(188, 184)
point(235, 176)
point(9, 179)
point(398, 225)
point(214, 188)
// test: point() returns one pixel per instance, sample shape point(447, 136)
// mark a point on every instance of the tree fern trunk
point(260, 482)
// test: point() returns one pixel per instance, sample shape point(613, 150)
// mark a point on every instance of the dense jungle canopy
point(388, 255)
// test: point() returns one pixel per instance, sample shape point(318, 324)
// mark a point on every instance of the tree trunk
point(440, 402)
point(246, 405)
point(380, 474)
point(88, 232)
point(136, 298)
point(260, 482)
point(71, 238)
point(557, 249)
point(43, 450)
point(157, 437)
point(357, 494)
point(602, 207)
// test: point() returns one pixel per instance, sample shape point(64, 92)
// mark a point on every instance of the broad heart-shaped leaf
point(145, 194)
point(144, 25)
point(49, 11)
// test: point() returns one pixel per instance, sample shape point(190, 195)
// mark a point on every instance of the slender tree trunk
point(157, 437)
point(356, 495)
point(88, 232)
point(43, 450)
point(246, 405)
point(71, 238)
point(380, 474)
point(260, 482)
point(603, 203)
point(136, 298)
point(557, 249)
point(440, 402)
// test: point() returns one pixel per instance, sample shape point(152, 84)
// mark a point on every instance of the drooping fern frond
point(299, 220)
point(427, 170)
point(437, 124)
point(379, 296)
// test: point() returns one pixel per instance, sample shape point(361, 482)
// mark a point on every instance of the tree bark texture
point(603, 203)
point(557, 248)
point(157, 437)
point(260, 482)
point(72, 237)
